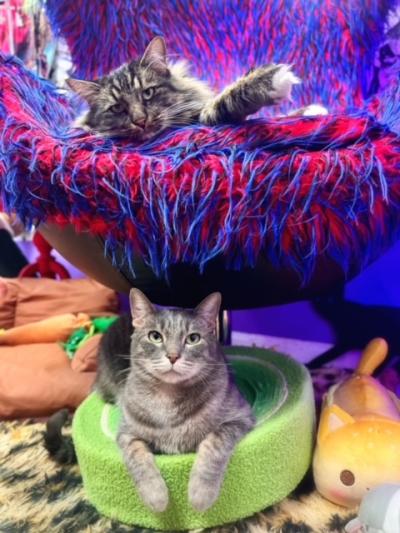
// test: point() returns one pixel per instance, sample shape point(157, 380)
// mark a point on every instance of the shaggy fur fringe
point(295, 190)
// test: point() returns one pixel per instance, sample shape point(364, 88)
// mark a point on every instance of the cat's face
point(139, 99)
point(174, 346)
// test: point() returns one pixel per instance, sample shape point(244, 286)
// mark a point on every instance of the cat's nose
point(173, 357)
point(140, 122)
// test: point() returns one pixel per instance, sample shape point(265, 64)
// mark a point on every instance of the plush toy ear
point(208, 309)
point(141, 307)
point(155, 55)
point(332, 418)
point(88, 90)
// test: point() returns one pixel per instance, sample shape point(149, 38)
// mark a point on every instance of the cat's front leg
point(141, 465)
point(262, 86)
point(211, 461)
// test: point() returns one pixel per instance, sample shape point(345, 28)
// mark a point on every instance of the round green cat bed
point(265, 467)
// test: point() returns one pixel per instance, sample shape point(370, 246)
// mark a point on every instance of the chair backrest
point(331, 43)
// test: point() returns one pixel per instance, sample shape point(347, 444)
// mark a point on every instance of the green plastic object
point(266, 465)
point(81, 335)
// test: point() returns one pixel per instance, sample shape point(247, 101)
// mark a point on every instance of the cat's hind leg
point(262, 86)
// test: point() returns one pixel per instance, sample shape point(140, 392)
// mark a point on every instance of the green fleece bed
point(265, 467)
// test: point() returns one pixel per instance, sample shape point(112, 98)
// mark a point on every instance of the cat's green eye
point(117, 108)
point(193, 338)
point(155, 336)
point(148, 93)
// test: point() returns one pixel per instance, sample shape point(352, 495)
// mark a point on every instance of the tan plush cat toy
point(358, 443)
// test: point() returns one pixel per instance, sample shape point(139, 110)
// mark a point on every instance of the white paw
point(313, 110)
point(154, 493)
point(201, 494)
point(282, 83)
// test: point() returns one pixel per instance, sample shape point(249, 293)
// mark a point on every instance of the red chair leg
point(45, 265)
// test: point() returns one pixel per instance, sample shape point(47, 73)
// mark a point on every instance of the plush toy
point(358, 443)
point(379, 512)
point(53, 329)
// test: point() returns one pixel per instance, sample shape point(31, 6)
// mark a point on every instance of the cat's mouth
point(172, 375)
point(172, 372)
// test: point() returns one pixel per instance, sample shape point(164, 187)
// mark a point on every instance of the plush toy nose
point(173, 357)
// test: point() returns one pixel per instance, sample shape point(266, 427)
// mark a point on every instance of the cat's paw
point(154, 494)
point(282, 81)
point(202, 494)
point(209, 114)
point(311, 110)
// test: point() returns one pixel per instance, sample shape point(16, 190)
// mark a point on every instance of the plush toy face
point(353, 456)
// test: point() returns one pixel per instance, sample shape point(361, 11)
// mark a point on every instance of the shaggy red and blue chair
point(268, 211)
point(271, 210)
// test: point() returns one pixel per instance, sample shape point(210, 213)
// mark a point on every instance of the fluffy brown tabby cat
point(167, 372)
point(142, 98)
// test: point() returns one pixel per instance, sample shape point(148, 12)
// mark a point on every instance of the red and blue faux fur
point(331, 43)
point(291, 189)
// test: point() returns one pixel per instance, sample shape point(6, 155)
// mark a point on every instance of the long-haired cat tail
point(59, 446)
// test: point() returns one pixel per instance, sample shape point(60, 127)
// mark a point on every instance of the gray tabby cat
point(176, 395)
point(146, 96)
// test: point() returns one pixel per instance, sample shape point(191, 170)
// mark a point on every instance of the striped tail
point(60, 447)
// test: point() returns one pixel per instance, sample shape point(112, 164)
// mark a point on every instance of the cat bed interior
point(265, 467)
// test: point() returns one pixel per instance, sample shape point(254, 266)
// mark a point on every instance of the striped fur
point(146, 96)
point(176, 395)
point(267, 85)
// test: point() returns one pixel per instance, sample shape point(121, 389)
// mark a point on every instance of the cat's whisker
point(179, 114)
point(181, 122)
point(218, 364)
point(123, 371)
point(181, 105)
point(184, 122)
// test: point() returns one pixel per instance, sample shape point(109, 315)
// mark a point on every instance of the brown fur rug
point(38, 496)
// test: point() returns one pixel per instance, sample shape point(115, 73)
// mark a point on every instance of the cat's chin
point(148, 134)
point(171, 377)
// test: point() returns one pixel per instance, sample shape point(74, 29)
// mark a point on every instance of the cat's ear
point(88, 90)
point(332, 418)
point(208, 309)
point(155, 55)
point(141, 307)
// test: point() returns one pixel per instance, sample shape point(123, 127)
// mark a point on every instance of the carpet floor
point(38, 496)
